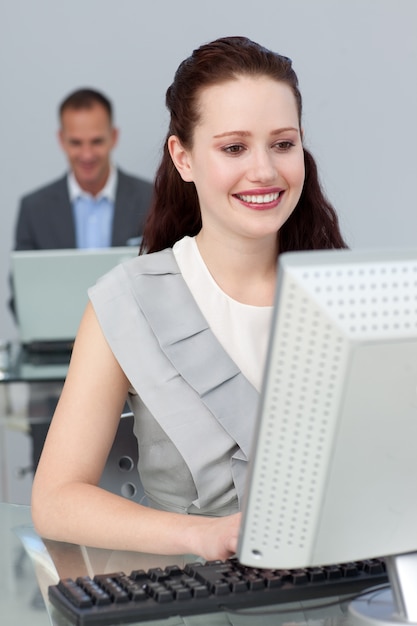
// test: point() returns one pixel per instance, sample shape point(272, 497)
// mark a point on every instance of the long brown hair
point(175, 210)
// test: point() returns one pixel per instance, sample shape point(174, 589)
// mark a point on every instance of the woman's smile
point(260, 200)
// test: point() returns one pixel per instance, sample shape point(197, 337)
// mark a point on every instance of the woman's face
point(247, 159)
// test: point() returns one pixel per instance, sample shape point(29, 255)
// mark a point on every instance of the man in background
point(95, 204)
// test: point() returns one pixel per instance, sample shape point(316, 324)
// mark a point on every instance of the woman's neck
point(245, 270)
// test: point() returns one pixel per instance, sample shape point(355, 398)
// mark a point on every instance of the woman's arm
point(67, 504)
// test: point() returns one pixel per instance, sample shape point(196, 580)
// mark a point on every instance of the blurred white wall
point(356, 61)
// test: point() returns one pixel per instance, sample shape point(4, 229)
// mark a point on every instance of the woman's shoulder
point(152, 263)
point(119, 280)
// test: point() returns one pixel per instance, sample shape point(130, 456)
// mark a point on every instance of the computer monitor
point(333, 472)
point(50, 289)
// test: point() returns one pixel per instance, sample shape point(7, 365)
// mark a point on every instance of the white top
point(242, 329)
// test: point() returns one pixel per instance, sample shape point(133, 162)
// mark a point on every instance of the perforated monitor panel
point(338, 414)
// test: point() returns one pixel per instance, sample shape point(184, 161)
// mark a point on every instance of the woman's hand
point(215, 537)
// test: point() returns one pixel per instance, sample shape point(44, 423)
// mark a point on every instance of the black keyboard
point(203, 588)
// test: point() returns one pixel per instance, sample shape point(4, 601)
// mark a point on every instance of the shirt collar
point(108, 191)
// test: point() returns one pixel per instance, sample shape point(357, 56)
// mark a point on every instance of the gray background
point(356, 61)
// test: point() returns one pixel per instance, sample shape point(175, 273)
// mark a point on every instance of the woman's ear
point(180, 158)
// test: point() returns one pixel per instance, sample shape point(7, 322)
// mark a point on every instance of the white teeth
point(259, 199)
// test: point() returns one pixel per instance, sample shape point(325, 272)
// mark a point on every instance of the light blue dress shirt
point(93, 215)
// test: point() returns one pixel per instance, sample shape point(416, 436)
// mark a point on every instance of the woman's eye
point(284, 146)
point(234, 149)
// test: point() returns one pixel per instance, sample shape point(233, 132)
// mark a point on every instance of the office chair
point(120, 474)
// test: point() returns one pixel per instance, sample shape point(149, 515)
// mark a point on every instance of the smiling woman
point(246, 161)
point(182, 330)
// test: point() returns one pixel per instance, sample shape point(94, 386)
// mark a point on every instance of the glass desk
point(29, 565)
point(20, 365)
point(30, 385)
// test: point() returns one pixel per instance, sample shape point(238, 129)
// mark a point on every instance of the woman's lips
point(260, 200)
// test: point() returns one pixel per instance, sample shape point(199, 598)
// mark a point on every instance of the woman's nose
point(262, 167)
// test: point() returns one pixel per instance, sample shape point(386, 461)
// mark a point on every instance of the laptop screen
point(50, 289)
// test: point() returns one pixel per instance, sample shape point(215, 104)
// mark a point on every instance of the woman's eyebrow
point(246, 133)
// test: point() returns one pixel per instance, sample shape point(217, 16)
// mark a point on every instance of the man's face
point(87, 138)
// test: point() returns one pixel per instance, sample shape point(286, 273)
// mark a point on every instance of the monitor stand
point(394, 606)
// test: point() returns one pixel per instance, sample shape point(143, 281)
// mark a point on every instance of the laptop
point(50, 291)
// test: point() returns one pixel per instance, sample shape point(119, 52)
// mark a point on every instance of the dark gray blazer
point(45, 219)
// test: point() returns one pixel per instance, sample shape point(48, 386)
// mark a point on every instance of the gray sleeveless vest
point(202, 406)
